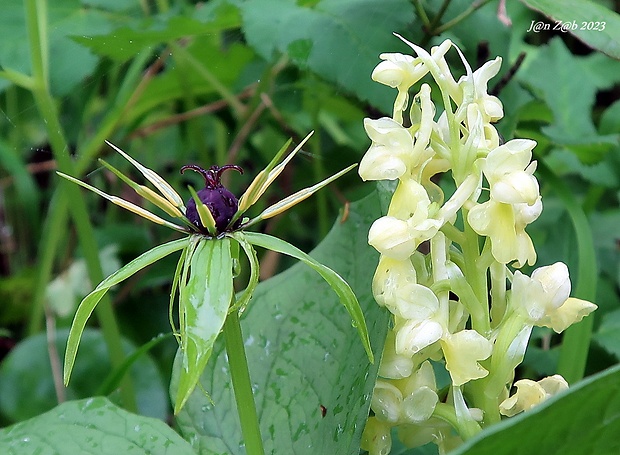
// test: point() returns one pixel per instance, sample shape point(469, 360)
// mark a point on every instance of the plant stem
point(242, 386)
point(36, 20)
point(464, 15)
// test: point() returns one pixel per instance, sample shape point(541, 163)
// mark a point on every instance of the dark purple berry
point(221, 203)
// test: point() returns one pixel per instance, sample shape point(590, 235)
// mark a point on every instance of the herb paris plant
point(213, 219)
point(453, 308)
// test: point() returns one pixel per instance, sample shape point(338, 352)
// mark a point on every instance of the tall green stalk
point(242, 385)
point(36, 20)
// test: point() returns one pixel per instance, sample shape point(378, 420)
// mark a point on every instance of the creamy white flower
point(376, 438)
point(413, 336)
point(462, 352)
point(407, 224)
point(390, 151)
point(392, 237)
point(390, 276)
point(414, 301)
point(509, 241)
point(530, 393)
point(510, 173)
point(538, 296)
point(393, 365)
point(386, 401)
point(399, 71)
point(409, 198)
point(570, 312)
point(420, 392)
point(490, 105)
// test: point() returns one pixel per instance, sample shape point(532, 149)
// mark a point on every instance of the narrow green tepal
point(204, 299)
point(88, 304)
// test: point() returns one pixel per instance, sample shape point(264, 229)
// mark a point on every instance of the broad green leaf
point(27, 382)
point(585, 420)
point(564, 83)
point(339, 39)
point(605, 234)
point(302, 354)
point(610, 119)
point(90, 426)
point(91, 300)
point(591, 22)
point(115, 377)
point(335, 281)
point(203, 301)
point(565, 161)
point(608, 334)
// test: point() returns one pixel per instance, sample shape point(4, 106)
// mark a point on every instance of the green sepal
point(205, 293)
point(335, 281)
point(206, 217)
point(250, 252)
point(89, 302)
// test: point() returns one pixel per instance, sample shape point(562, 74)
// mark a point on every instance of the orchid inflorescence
point(462, 307)
point(203, 280)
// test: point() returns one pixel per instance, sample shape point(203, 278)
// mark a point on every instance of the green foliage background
point(228, 81)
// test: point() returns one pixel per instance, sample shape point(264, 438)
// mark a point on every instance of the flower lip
point(222, 204)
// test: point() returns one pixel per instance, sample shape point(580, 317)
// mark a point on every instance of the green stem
point(36, 19)
point(475, 276)
point(464, 15)
point(242, 386)
point(419, 8)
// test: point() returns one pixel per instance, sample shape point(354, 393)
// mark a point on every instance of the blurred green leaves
point(340, 40)
point(66, 18)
